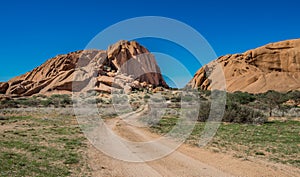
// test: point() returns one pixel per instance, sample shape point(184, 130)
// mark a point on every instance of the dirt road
point(186, 161)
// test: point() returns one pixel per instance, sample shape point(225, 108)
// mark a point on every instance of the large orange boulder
point(275, 66)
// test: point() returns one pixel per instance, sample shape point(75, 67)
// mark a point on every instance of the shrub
point(175, 99)
point(206, 93)
point(241, 97)
point(28, 101)
point(187, 98)
point(234, 112)
point(294, 95)
point(46, 102)
point(204, 111)
point(60, 100)
point(241, 114)
point(39, 100)
point(146, 97)
point(119, 99)
point(8, 104)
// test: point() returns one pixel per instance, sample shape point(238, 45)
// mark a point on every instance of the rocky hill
point(124, 65)
point(275, 66)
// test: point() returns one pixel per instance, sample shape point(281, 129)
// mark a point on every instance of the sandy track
point(186, 161)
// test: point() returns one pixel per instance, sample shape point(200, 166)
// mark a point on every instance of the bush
point(146, 97)
point(60, 100)
point(294, 95)
point(187, 98)
point(241, 97)
point(204, 111)
point(120, 99)
point(39, 100)
point(241, 114)
point(46, 102)
point(175, 99)
point(8, 104)
point(28, 101)
point(234, 112)
point(206, 93)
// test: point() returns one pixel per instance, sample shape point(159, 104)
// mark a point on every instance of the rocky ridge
point(125, 65)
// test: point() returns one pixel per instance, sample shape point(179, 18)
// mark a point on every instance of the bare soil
point(186, 161)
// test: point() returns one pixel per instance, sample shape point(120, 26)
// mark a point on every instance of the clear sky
point(33, 31)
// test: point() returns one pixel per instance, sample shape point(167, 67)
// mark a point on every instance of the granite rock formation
point(125, 65)
point(275, 66)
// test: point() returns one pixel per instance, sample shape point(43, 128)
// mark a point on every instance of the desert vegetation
point(247, 129)
point(56, 100)
point(40, 135)
point(35, 146)
point(277, 141)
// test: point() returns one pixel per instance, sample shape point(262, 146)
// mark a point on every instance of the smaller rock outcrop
point(275, 66)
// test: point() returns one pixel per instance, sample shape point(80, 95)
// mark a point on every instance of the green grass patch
point(18, 164)
point(277, 141)
point(35, 147)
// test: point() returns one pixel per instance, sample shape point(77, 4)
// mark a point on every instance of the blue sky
point(33, 31)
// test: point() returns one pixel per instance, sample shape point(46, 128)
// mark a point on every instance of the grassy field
point(32, 146)
point(277, 141)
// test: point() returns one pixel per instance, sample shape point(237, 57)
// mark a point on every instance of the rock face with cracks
point(275, 66)
point(125, 65)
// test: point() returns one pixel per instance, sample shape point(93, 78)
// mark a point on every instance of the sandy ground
point(186, 161)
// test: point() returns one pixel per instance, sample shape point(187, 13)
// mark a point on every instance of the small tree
point(204, 111)
point(273, 99)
